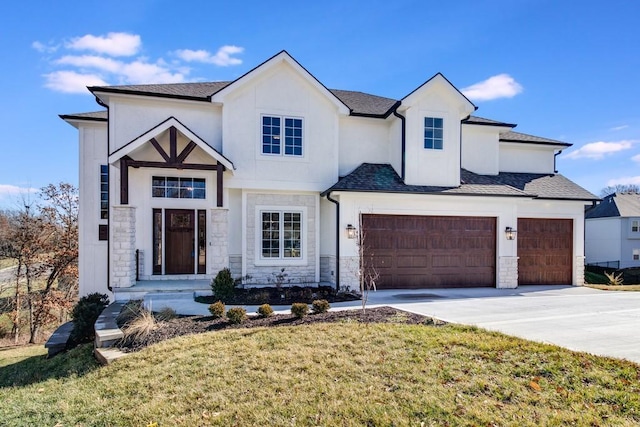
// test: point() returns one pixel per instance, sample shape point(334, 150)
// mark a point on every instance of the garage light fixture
point(351, 231)
point(510, 233)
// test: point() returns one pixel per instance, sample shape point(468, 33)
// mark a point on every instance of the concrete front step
point(106, 328)
point(57, 342)
point(106, 356)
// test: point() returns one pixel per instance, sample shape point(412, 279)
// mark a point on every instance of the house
point(612, 231)
point(274, 170)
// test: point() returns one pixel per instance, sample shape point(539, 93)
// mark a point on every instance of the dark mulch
point(199, 324)
point(283, 296)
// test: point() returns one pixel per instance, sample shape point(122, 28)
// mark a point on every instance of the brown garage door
point(412, 252)
point(545, 251)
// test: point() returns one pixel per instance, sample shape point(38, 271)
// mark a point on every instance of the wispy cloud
point(114, 44)
point(600, 149)
point(616, 128)
point(113, 59)
point(221, 58)
point(624, 180)
point(636, 158)
point(498, 86)
point(12, 194)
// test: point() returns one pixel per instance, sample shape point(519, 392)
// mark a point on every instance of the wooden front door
point(179, 241)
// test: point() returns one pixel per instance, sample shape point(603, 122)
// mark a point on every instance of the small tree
point(368, 275)
point(620, 188)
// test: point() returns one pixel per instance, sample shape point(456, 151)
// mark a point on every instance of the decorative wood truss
point(172, 160)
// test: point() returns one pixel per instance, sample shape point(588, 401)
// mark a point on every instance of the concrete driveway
point(578, 318)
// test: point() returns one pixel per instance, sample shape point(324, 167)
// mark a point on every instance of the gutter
point(555, 158)
point(404, 138)
point(109, 234)
point(337, 203)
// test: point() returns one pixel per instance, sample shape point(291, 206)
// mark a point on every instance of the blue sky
point(556, 69)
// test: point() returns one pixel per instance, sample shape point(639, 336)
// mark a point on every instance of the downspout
point(102, 104)
point(337, 203)
point(555, 157)
point(404, 138)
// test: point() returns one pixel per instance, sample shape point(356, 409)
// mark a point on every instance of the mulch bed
point(199, 324)
point(286, 295)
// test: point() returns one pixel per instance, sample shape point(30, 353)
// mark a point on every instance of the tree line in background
point(40, 238)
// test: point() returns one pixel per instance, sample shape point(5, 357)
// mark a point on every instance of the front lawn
point(345, 374)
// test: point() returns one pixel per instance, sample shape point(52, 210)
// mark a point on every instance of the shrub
point(299, 309)
point(237, 315)
point(265, 310)
point(217, 309)
point(223, 285)
point(613, 279)
point(166, 313)
point(141, 326)
point(320, 306)
point(84, 315)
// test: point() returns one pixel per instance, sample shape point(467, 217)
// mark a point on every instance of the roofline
point(475, 107)
point(569, 200)
point(497, 124)
point(106, 89)
point(377, 116)
point(67, 117)
point(432, 193)
point(519, 141)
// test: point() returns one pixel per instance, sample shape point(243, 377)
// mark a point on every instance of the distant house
point(612, 231)
point(274, 170)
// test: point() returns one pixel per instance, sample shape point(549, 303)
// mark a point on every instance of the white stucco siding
point(284, 93)
point(132, 117)
point(480, 149)
point(363, 140)
point(529, 158)
point(603, 240)
point(431, 166)
point(92, 262)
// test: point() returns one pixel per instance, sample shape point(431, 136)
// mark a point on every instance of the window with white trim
point(433, 133)
point(273, 140)
point(635, 226)
point(281, 234)
point(636, 255)
point(178, 188)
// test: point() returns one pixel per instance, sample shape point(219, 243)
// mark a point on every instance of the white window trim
point(434, 116)
point(282, 118)
point(635, 253)
point(637, 222)
point(284, 262)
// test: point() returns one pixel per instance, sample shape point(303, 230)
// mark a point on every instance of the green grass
point(326, 374)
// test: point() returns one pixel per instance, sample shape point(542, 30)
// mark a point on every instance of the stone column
point(508, 272)
point(123, 246)
point(579, 269)
point(219, 238)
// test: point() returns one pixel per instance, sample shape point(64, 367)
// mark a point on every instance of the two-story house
point(274, 170)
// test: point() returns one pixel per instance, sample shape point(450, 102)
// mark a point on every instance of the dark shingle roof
point(382, 178)
point(98, 116)
point(512, 136)
point(195, 91)
point(365, 104)
point(616, 205)
point(475, 120)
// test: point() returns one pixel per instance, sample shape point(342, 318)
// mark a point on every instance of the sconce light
point(351, 231)
point(510, 233)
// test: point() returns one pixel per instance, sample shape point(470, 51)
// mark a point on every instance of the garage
point(412, 252)
point(545, 251)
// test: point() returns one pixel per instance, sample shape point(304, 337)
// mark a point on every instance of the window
point(178, 188)
point(635, 226)
point(272, 136)
point(104, 192)
point(281, 235)
point(636, 255)
point(433, 127)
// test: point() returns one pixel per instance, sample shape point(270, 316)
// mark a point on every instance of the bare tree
point(620, 188)
point(368, 275)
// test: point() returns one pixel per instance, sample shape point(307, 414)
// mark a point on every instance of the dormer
point(433, 114)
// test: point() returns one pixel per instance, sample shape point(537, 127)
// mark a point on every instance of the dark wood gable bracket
point(173, 160)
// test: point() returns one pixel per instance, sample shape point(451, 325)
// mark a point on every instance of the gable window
point(433, 131)
point(281, 234)
point(636, 254)
point(273, 140)
point(104, 191)
point(178, 188)
point(635, 226)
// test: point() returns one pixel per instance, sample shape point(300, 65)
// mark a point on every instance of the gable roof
point(475, 120)
point(616, 205)
point(512, 136)
point(439, 78)
point(382, 178)
point(161, 127)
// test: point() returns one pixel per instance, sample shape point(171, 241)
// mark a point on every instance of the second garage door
point(545, 251)
point(412, 252)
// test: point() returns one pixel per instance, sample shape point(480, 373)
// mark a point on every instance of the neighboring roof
point(382, 178)
point(97, 116)
point(616, 205)
point(475, 120)
point(512, 136)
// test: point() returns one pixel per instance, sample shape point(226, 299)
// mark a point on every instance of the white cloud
point(636, 158)
point(43, 48)
point(221, 58)
point(72, 82)
point(597, 150)
point(616, 128)
point(635, 180)
point(92, 61)
point(498, 86)
point(114, 44)
point(12, 193)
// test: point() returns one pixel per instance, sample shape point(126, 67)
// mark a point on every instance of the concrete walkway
point(578, 318)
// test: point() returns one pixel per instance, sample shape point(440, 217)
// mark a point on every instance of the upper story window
point(635, 226)
point(178, 188)
point(104, 191)
point(273, 140)
point(433, 127)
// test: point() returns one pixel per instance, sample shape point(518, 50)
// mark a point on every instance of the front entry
point(179, 241)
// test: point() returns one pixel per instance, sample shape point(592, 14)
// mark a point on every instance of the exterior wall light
point(351, 231)
point(510, 233)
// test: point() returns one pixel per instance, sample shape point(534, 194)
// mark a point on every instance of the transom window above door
point(282, 135)
point(178, 188)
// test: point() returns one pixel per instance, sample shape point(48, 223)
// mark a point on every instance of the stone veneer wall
point(349, 273)
point(304, 273)
point(508, 272)
point(123, 246)
point(328, 269)
point(235, 265)
point(579, 268)
point(218, 252)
